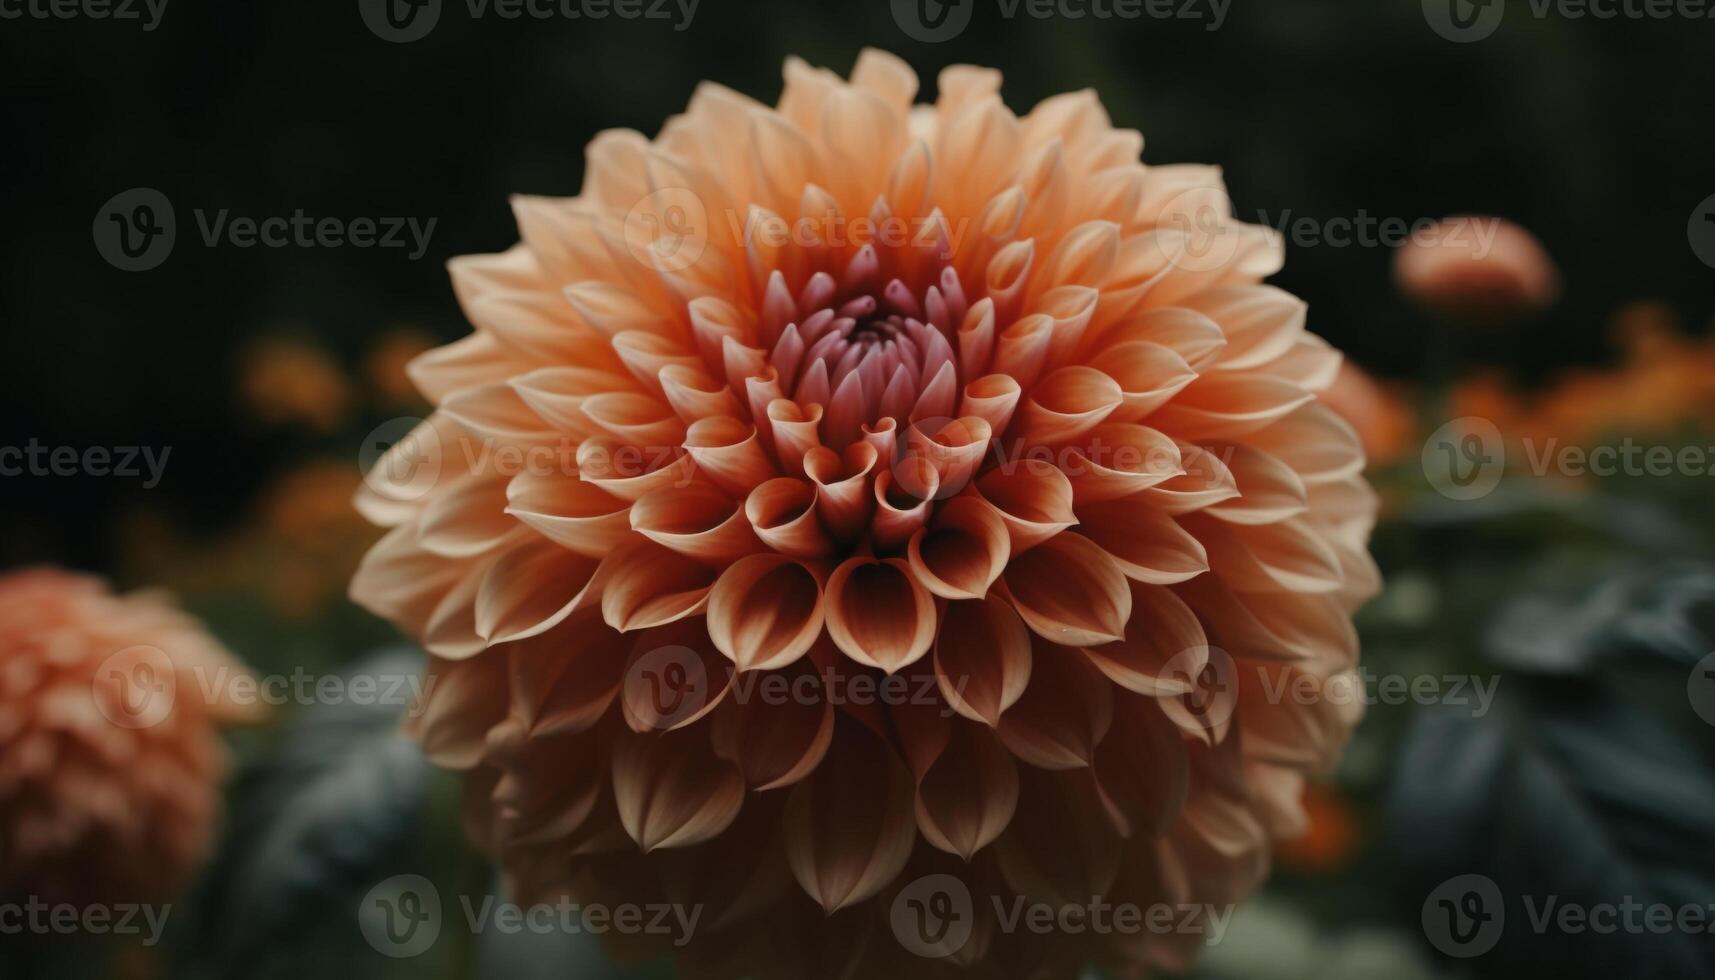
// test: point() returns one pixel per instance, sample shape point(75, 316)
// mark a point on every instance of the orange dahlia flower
point(850, 495)
point(109, 758)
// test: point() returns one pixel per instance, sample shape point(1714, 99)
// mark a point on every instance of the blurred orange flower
point(1330, 837)
point(384, 366)
point(1478, 268)
point(109, 756)
point(290, 382)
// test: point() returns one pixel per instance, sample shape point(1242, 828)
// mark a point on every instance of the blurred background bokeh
point(263, 369)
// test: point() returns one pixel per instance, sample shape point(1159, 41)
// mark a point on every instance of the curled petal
point(1070, 591)
point(576, 515)
point(904, 496)
point(727, 451)
point(878, 614)
point(462, 701)
point(1269, 491)
point(963, 551)
point(1064, 713)
point(1206, 481)
point(782, 512)
point(564, 679)
point(531, 588)
point(1285, 557)
point(1163, 641)
point(1067, 404)
point(674, 677)
point(1148, 375)
point(968, 795)
point(776, 742)
point(849, 827)
point(991, 398)
point(1118, 460)
point(765, 611)
point(698, 521)
point(672, 790)
point(1033, 497)
point(628, 472)
point(843, 498)
point(982, 658)
point(650, 585)
point(1224, 406)
point(1149, 545)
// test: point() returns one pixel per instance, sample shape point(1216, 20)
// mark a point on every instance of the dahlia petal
point(470, 362)
point(1288, 556)
point(674, 677)
point(1273, 627)
point(955, 448)
point(466, 519)
point(1149, 545)
point(1162, 638)
point(1197, 339)
point(843, 500)
point(1224, 406)
point(878, 614)
point(1064, 713)
point(515, 270)
point(1319, 445)
point(1261, 322)
point(637, 419)
point(1032, 497)
point(782, 513)
point(728, 452)
point(576, 515)
point(1004, 282)
point(968, 795)
point(982, 658)
point(1269, 491)
point(1142, 775)
point(1022, 348)
point(547, 787)
point(849, 827)
point(1070, 591)
point(796, 431)
point(1120, 460)
point(399, 580)
point(650, 585)
point(628, 472)
point(672, 790)
point(777, 744)
point(1066, 404)
point(462, 700)
point(765, 611)
point(536, 326)
point(557, 394)
point(698, 521)
point(563, 680)
point(1206, 481)
point(976, 340)
point(495, 412)
point(1060, 848)
point(963, 551)
point(904, 494)
point(531, 588)
point(1148, 375)
point(612, 309)
point(450, 632)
